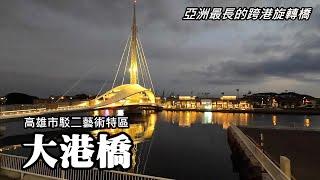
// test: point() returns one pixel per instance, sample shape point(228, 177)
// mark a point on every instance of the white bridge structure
point(136, 92)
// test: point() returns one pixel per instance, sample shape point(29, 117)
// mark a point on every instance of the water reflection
point(207, 119)
point(274, 120)
point(187, 118)
point(170, 133)
point(140, 129)
point(229, 119)
point(307, 122)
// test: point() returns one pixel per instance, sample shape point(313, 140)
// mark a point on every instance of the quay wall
point(243, 161)
point(249, 160)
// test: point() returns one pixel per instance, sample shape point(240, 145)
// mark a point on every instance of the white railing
point(40, 111)
point(272, 169)
point(40, 169)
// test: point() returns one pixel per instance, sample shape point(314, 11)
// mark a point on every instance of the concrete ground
point(302, 147)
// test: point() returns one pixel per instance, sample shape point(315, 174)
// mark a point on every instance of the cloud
point(292, 54)
point(48, 44)
point(233, 72)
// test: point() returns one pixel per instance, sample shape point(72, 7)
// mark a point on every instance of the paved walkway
point(300, 146)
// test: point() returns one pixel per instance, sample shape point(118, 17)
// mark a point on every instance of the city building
point(193, 102)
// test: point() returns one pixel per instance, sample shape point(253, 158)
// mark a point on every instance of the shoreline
point(256, 111)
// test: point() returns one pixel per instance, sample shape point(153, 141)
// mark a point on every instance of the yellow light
point(96, 113)
point(307, 122)
point(274, 120)
point(228, 98)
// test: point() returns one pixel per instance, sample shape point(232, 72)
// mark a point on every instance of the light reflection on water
point(187, 118)
point(138, 130)
point(162, 128)
point(143, 130)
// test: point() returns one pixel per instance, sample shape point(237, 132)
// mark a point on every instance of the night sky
point(47, 45)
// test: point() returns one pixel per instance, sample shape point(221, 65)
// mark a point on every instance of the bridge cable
point(141, 66)
point(142, 61)
point(125, 68)
point(115, 78)
point(141, 71)
point(145, 164)
point(148, 72)
point(104, 83)
point(146, 64)
point(76, 83)
point(145, 61)
point(144, 67)
point(139, 157)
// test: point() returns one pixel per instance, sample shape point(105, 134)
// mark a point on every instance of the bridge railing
point(272, 169)
point(21, 107)
point(40, 169)
point(38, 111)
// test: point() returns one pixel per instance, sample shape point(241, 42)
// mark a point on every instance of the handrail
point(40, 169)
point(269, 156)
point(272, 169)
point(40, 111)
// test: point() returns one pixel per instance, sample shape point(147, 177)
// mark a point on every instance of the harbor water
point(173, 144)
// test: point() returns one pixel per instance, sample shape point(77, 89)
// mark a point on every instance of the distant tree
point(19, 98)
point(81, 97)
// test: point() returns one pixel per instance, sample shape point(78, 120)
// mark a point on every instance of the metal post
point(285, 166)
point(62, 174)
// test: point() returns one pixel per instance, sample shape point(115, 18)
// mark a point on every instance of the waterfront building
point(197, 103)
point(186, 102)
point(231, 102)
point(206, 103)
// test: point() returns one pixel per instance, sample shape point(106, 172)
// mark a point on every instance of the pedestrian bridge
point(125, 95)
point(131, 94)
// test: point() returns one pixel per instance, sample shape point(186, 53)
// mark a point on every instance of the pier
point(250, 160)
